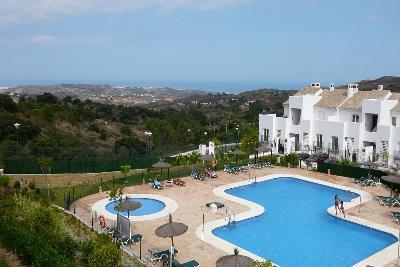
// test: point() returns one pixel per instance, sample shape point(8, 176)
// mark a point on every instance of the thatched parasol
point(207, 158)
point(392, 179)
point(127, 205)
point(261, 149)
point(237, 153)
point(370, 164)
point(162, 165)
point(234, 260)
point(171, 229)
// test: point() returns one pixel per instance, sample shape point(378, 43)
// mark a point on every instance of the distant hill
point(391, 83)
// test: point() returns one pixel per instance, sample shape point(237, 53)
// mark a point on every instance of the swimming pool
point(149, 206)
point(296, 229)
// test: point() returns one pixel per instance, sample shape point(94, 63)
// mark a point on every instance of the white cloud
point(375, 18)
point(53, 40)
point(22, 11)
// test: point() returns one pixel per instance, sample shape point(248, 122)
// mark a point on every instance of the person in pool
point(336, 204)
point(342, 208)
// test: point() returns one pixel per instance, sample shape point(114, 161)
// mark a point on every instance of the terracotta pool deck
point(193, 197)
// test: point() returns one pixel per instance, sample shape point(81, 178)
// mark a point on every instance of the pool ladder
point(228, 217)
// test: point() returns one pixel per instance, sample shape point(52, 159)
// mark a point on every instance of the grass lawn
point(76, 192)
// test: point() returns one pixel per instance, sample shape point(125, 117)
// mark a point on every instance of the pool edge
point(170, 206)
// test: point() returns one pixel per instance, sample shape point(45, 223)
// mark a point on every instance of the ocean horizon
point(213, 86)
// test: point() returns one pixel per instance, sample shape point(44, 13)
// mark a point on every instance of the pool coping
point(380, 258)
point(99, 208)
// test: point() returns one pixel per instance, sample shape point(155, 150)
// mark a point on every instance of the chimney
point(316, 85)
point(380, 87)
point(352, 88)
point(332, 87)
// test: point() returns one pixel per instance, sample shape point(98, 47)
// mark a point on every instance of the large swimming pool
point(149, 206)
point(296, 229)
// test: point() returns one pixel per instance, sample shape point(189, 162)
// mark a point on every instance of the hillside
point(68, 128)
point(391, 83)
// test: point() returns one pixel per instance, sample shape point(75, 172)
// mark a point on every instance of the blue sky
point(199, 43)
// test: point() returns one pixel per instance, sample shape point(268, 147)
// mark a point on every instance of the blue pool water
point(149, 206)
point(296, 230)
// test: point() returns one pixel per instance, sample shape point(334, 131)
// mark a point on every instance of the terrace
point(191, 201)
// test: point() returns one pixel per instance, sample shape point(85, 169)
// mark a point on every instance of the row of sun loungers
point(259, 166)
point(160, 185)
point(367, 181)
point(208, 173)
point(133, 240)
point(395, 216)
point(235, 170)
point(164, 256)
point(389, 201)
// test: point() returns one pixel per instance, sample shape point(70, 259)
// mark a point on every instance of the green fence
point(353, 172)
point(29, 166)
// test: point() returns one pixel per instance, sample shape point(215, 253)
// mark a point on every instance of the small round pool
point(149, 206)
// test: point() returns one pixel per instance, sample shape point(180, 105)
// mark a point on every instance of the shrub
point(346, 162)
point(292, 159)
point(4, 180)
point(37, 191)
point(31, 248)
point(17, 185)
point(94, 127)
point(105, 252)
point(266, 263)
point(32, 185)
point(270, 159)
point(24, 191)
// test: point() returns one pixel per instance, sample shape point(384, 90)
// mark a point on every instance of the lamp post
point(238, 134)
point(147, 137)
point(16, 125)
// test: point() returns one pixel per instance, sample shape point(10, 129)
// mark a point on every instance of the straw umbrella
point(261, 149)
point(171, 230)
point(392, 179)
point(162, 165)
point(234, 260)
point(127, 205)
point(370, 164)
point(237, 153)
point(207, 158)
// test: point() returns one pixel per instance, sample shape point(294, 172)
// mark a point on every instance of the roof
point(355, 102)
point(396, 96)
point(305, 91)
point(332, 99)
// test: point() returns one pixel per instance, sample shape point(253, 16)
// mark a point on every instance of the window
point(319, 141)
point(356, 118)
point(266, 135)
point(394, 121)
point(335, 143)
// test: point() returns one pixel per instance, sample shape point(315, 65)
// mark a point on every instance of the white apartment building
point(344, 122)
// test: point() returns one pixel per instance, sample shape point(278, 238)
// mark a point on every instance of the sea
point(213, 86)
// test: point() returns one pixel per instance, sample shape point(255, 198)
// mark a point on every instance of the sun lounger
point(159, 256)
point(135, 239)
point(175, 263)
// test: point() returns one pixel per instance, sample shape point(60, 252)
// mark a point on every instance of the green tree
point(105, 252)
point(45, 165)
point(125, 169)
point(249, 140)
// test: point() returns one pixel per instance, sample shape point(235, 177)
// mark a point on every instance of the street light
point(148, 136)
point(16, 125)
point(238, 134)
